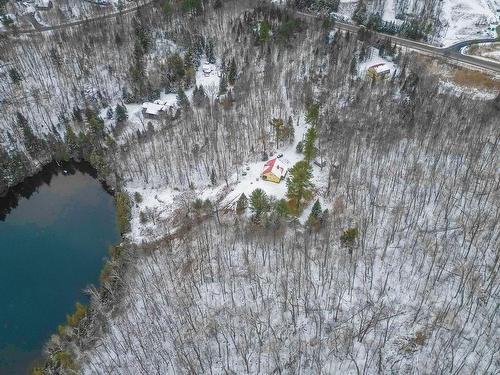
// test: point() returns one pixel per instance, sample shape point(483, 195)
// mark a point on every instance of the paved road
point(449, 53)
point(458, 47)
point(40, 28)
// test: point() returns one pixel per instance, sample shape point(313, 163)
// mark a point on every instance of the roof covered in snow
point(275, 167)
point(153, 108)
point(380, 68)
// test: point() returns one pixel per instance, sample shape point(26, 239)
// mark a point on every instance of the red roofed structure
point(274, 171)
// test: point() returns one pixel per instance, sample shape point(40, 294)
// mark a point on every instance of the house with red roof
point(274, 170)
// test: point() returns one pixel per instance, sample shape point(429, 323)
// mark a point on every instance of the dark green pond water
point(52, 245)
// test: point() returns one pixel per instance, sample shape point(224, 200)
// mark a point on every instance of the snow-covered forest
point(398, 274)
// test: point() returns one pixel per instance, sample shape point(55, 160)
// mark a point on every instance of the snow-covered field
point(486, 50)
point(458, 20)
point(467, 19)
point(375, 59)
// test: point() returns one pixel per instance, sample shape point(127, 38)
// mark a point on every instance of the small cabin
point(207, 69)
point(153, 110)
point(379, 71)
point(274, 170)
point(493, 30)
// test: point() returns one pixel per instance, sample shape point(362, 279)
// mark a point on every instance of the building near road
point(493, 30)
point(379, 71)
point(274, 170)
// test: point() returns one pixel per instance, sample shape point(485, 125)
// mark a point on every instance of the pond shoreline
point(29, 185)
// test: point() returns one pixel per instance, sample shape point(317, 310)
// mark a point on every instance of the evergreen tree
point(264, 30)
point(142, 33)
point(223, 85)
point(316, 209)
point(374, 22)
point(259, 204)
point(167, 7)
point(33, 144)
point(199, 95)
point(15, 76)
point(197, 206)
point(96, 125)
point(193, 6)
point(299, 182)
point(138, 197)
point(182, 99)
point(123, 212)
point(281, 208)
point(207, 206)
point(315, 215)
point(121, 113)
point(77, 114)
point(312, 114)
point(242, 204)
point(232, 72)
point(189, 59)
point(309, 147)
point(175, 68)
point(137, 69)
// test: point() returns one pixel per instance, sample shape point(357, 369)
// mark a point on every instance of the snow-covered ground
point(481, 94)
point(460, 19)
point(234, 299)
point(467, 19)
point(162, 202)
point(494, 55)
point(489, 51)
point(375, 59)
point(136, 120)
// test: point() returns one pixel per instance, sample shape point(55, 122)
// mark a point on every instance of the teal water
point(52, 246)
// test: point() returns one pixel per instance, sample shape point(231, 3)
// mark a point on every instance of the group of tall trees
point(299, 183)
